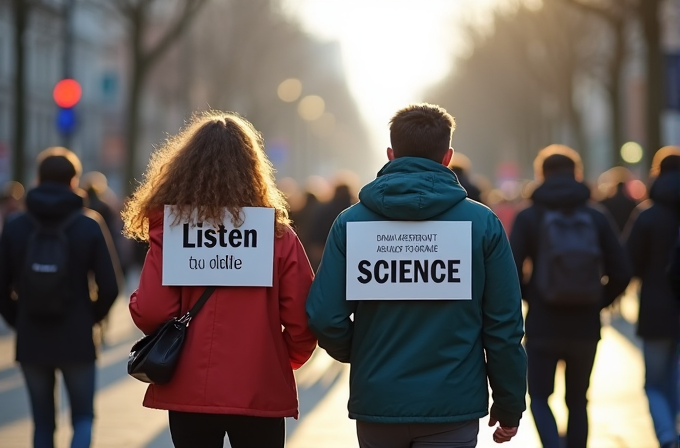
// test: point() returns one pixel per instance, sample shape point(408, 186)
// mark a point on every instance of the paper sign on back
point(204, 255)
point(409, 260)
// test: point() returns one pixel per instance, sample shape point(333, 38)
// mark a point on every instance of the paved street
point(618, 408)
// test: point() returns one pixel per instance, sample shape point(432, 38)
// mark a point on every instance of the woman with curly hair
point(235, 375)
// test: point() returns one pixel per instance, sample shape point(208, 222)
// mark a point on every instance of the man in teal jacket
point(418, 291)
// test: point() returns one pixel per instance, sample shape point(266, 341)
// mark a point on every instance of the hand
point(502, 433)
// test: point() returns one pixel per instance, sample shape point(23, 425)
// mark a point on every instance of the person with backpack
point(650, 242)
point(47, 256)
point(572, 246)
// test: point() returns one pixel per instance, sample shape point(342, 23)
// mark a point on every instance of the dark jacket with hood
point(65, 339)
point(425, 361)
point(549, 322)
point(620, 206)
point(650, 241)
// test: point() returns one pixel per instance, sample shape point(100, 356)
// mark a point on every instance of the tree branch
point(591, 8)
point(191, 7)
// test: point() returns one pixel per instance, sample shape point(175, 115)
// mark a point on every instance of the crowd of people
point(424, 335)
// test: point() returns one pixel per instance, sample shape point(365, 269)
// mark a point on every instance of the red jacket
point(242, 346)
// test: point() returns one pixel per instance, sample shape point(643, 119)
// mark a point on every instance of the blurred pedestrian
point(461, 165)
point(100, 198)
point(54, 325)
point(11, 201)
point(618, 202)
point(325, 213)
point(235, 375)
point(571, 245)
point(650, 243)
point(419, 367)
point(303, 204)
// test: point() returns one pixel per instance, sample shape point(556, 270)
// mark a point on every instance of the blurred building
point(233, 56)
point(543, 75)
point(92, 63)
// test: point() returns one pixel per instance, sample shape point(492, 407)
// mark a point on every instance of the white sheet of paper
point(203, 255)
point(409, 260)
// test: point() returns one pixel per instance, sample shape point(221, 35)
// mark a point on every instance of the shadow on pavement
point(308, 397)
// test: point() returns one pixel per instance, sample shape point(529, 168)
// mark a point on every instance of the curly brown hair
point(217, 161)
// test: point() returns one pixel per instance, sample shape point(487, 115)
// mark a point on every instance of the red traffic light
point(67, 93)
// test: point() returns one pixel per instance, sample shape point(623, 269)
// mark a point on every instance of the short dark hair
point(421, 130)
point(58, 165)
point(558, 164)
point(558, 159)
point(670, 164)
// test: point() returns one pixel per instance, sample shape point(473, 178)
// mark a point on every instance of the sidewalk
point(617, 410)
point(619, 417)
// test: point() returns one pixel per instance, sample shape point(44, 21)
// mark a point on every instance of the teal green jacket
point(425, 361)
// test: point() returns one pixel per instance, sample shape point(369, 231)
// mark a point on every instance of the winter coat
point(425, 361)
point(650, 241)
point(620, 206)
point(545, 321)
point(66, 339)
point(242, 346)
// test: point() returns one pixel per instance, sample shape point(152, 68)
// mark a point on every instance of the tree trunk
point(18, 150)
point(132, 119)
point(134, 100)
point(649, 14)
point(614, 90)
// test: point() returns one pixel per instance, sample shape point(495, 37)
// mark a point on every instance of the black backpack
point(568, 265)
point(45, 288)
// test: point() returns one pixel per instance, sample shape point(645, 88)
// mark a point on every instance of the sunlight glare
point(392, 49)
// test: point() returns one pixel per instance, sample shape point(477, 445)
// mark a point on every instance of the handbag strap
point(197, 306)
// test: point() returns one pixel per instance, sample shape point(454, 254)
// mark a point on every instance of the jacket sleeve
point(327, 308)
point(106, 269)
point(295, 279)
point(519, 242)
point(8, 306)
point(616, 264)
point(152, 304)
point(637, 245)
point(503, 328)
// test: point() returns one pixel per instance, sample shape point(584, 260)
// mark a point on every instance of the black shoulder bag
point(154, 357)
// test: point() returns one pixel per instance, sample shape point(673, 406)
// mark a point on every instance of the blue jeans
point(661, 375)
point(542, 357)
point(79, 379)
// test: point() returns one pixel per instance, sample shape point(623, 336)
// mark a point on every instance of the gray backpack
point(568, 265)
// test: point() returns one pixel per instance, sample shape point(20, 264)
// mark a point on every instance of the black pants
point(579, 356)
point(192, 430)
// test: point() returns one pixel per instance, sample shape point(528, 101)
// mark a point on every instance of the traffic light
point(66, 94)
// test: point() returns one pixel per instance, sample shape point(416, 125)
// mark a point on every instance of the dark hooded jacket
point(620, 206)
point(544, 321)
point(68, 338)
point(650, 241)
point(425, 361)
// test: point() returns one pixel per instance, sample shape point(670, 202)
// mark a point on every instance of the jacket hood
point(666, 189)
point(52, 201)
point(412, 188)
point(561, 191)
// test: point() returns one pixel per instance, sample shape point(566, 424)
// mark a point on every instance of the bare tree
point(138, 15)
point(21, 10)
point(648, 11)
point(617, 13)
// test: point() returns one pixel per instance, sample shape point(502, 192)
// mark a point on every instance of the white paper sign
point(409, 260)
point(204, 255)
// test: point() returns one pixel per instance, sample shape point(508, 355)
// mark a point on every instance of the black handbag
point(154, 357)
